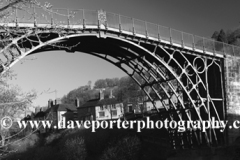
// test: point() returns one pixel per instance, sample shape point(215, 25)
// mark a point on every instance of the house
point(142, 104)
point(138, 106)
point(41, 115)
point(135, 105)
point(158, 104)
point(101, 109)
point(57, 112)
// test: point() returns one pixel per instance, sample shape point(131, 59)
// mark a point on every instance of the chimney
point(50, 103)
point(58, 101)
point(101, 95)
point(77, 102)
point(111, 95)
point(37, 109)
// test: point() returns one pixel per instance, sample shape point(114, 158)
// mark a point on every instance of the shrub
point(126, 148)
point(57, 146)
point(52, 138)
point(47, 153)
point(74, 149)
point(24, 144)
point(96, 142)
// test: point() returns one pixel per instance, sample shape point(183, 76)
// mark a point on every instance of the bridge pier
point(232, 83)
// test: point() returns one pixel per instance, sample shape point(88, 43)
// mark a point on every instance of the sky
point(61, 71)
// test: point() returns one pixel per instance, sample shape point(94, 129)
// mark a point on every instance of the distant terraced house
point(57, 112)
point(101, 109)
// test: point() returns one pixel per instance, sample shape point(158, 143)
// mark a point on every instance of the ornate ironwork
point(102, 17)
point(179, 70)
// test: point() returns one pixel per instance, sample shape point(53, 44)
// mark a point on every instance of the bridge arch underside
point(189, 86)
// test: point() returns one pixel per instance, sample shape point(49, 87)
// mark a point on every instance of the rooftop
point(98, 102)
point(64, 107)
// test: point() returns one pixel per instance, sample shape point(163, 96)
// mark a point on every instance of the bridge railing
point(73, 17)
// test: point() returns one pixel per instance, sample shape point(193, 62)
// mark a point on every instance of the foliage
point(82, 95)
point(52, 137)
point(47, 152)
point(104, 83)
point(24, 144)
point(222, 37)
point(81, 144)
point(74, 149)
point(230, 37)
point(121, 89)
point(8, 75)
point(12, 100)
point(126, 148)
point(215, 35)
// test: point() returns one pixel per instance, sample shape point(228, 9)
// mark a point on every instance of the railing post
point(133, 26)
point(34, 12)
point(204, 50)
point(214, 51)
point(170, 34)
point(106, 22)
point(146, 31)
point(119, 21)
point(16, 17)
point(98, 22)
point(193, 42)
point(182, 40)
point(83, 20)
point(224, 50)
point(51, 18)
point(159, 36)
point(68, 20)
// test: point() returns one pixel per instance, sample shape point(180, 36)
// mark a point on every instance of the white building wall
point(107, 112)
point(149, 106)
point(61, 116)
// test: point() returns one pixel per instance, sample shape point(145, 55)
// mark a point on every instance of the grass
point(81, 144)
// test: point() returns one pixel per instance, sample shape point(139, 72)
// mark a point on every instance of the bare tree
point(12, 100)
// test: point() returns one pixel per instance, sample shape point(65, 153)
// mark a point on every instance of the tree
point(222, 37)
point(12, 100)
point(101, 83)
point(5, 77)
point(215, 35)
point(230, 36)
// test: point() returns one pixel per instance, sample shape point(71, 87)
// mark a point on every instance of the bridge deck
point(80, 19)
point(104, 28)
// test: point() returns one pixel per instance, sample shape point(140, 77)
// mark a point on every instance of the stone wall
point(232, 82)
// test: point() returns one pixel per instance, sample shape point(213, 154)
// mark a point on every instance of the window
point(113, 106)
point(106, 106)
point(89, 109)
point(114, 113)
point(101, 114)
point(101, 108)
point(130, 108)
point(141, 107)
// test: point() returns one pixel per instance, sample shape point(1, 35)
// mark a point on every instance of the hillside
point(121, 89)
point(230, 36)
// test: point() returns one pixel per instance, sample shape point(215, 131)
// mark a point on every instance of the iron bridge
point(183, 71)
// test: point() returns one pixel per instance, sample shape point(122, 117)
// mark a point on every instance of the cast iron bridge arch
point(182, 70)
